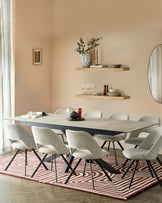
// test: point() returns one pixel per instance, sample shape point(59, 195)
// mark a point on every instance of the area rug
point(118, 188)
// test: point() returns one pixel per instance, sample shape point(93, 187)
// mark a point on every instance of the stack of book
point(99, 66)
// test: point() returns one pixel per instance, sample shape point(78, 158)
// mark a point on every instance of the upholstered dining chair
point(148, 151)
point(21, 140)
point(57, 131)
point(48, 142)
point(83, 146)
point(92, 114)
point(116, 138)
point(134, 138)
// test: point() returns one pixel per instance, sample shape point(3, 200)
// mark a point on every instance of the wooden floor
point(16, 190)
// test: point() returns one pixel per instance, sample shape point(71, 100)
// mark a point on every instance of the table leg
point(70, 161)
point(107, 167)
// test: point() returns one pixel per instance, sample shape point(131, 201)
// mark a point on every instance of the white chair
point(115, 138)
point(57, 131)
point(21, 140)
point(134, 137)
point(92, 114)
point(83, 146)
point(147, 151)
point(48, 142)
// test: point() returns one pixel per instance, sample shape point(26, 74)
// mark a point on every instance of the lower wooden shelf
point(103, 97)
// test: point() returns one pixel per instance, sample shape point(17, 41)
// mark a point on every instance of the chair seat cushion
point(19, 145)
point(48, 149)
point(111, 138)
point(137, 154)
point(85, 154)
point(135, 141)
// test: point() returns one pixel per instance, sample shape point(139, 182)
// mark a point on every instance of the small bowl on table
point(116, 65)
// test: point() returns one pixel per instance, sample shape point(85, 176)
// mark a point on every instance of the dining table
point(90, 125)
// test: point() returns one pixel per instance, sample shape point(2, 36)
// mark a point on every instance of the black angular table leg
point(107, 167)
point(69, 160)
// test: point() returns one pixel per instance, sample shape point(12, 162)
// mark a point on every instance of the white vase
point(85, 60)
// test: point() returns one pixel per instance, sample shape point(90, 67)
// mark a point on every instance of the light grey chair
point(116, 138)
point(48, 142)
point(134, 137)
point(65, 113)
point(147, 151)
point(83, 146)
point(21, 140)
point(92, 114)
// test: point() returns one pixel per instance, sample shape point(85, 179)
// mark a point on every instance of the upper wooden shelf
point(103, 69)
point(103, 97)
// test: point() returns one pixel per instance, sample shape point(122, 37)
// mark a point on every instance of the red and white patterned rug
point(118, 188)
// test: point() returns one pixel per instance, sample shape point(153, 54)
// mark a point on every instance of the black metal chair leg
point(159, 161)
point(155, 174)
point(12, 159)
point(120, 145)
point(91, 174)
point(55, 169)
point(84, 168)
point(128, 169)
point(39, 158)
point(103, 169)
point(149, 168)
point(108, 147)
point(103, 144)
point(125, 162)
point(25, 160)
point(73, 171)
point(39, 165)
point(115, 153)
point(67, 163)
point(133, 173)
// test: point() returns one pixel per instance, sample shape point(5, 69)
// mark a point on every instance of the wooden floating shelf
point(103, 97)
point(103, 69)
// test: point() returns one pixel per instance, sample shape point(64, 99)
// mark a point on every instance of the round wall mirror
point(155, 73)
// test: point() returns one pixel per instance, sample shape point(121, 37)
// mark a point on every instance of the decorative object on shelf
point(114, 92)
point(37, 56)
point(84, 50)
point(88, 89)
point(105, 89)
point(116, 65)
point(85, 60)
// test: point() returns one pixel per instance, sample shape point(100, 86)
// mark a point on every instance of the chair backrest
point(92, 114)
point(119, 116)
point(152, 143)
point(16, 133)
point(46, 136)
point(83, 141)
point(149, 119)
point(61, 111)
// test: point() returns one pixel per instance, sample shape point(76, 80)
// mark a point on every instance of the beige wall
point(33, 22)
point(130, 29)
